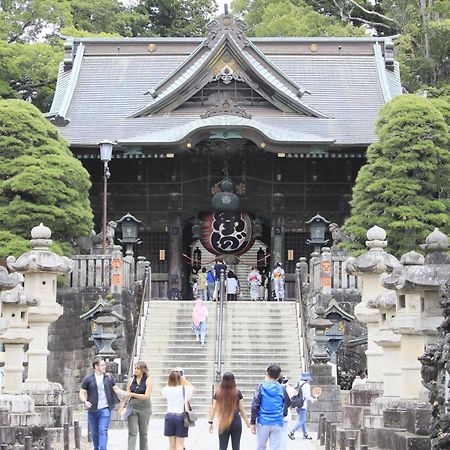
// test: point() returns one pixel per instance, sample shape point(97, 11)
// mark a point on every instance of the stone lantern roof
point(9, 280)
point(418, 272)
point(376, 260)
point(386, 300)
point(102, 306)
point(40, 258)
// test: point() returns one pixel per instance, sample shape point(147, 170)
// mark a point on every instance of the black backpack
point(298, 400)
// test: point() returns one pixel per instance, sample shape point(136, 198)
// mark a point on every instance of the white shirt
point(232, 285)
point(174, 396)
point(102, 401)
point(306, 391)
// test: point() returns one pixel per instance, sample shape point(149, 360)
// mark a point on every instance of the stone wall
point(71, 351)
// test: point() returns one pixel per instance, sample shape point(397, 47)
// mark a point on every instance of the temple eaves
point(268, 137)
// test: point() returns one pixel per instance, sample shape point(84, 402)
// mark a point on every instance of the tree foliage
point(405, 185)
point(40, 180)
point(423, 28)
point(286, 19)
point(172, 17)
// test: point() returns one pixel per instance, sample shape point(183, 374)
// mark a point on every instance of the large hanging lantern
point(227, 232)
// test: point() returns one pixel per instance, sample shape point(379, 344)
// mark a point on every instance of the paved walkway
point(199, 438)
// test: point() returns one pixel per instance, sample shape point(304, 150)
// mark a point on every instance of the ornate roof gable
point(224, 56)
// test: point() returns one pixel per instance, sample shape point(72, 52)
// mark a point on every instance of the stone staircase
point(243, 269)
point(258, 334)
point(169, 342)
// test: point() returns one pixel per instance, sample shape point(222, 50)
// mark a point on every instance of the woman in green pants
point(139, 389)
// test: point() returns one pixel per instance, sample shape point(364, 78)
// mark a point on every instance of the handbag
point(127, 410)
point(189, 416)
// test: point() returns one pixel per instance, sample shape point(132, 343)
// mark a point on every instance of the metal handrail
point(219, 329)
point(146, 295)
point(299, 288)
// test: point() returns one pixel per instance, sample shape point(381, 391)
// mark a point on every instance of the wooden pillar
point(277, 237)
point(175, 251)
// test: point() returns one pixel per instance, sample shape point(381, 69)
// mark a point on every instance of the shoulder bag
point(189, 416)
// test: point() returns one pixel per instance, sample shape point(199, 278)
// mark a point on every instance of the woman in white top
point(177, 396)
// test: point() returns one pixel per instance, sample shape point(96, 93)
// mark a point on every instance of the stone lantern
point(417, 283)
point(389, 342)
point(103, 324)
point(15, 308)
point(40, 268)
point(320, 325)
point(369, 266)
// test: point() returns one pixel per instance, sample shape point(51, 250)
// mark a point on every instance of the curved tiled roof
point(345, 81)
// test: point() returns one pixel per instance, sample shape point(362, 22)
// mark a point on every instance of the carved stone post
point(369, 266)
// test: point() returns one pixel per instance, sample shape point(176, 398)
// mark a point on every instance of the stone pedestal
point(358, 411)
point(21, 410)
point(7, 435)
point(50, 402)
point(405, 425)
point(329, 403)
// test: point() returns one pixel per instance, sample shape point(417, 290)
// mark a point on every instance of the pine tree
point(40, 180)
point(405, 185)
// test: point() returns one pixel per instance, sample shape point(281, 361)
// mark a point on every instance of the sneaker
point(307, 436)
point(291, 435)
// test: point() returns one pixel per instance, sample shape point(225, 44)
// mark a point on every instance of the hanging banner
point(227, 232)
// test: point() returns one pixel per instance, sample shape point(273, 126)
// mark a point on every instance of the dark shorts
point(174, 425)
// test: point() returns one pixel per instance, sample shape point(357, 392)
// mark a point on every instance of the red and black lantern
point(227, 232)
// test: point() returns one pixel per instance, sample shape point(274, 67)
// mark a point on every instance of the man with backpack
point(300, 402)
point(268, 407)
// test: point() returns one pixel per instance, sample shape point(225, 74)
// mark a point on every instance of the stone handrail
point(340, 279)
point(94, 271)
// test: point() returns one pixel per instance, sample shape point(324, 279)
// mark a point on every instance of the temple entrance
point(257, 256)
point(169, 192)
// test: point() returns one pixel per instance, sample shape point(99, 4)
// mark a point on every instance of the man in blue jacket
point(267, 411)
point(96, 393)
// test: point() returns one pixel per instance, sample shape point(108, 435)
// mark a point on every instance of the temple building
point(225, 143)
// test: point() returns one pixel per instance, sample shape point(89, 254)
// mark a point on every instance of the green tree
point(101, 17)
point(28, 71)
point(31, 20)
point(172, 17)
point(40, 180)
point(292, 18)
point(405, 185)
point(287, 19)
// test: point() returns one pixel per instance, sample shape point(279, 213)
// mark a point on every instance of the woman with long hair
point(177, 395)
point(139, 389)
point(228, 405)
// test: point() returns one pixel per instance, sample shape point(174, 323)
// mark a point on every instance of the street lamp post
point(106, 148)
